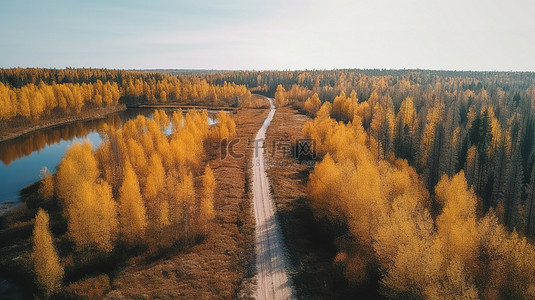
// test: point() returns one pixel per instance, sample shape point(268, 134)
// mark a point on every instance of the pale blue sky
point(251, 34)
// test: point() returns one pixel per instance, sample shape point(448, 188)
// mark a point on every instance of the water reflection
point(22, 158)
point(15, 149)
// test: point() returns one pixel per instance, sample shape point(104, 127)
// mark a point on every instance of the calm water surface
point(21, 159)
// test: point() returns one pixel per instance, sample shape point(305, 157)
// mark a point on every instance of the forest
point(33, 93)
point(441, 122)
point(425, 180)
point(424, 244)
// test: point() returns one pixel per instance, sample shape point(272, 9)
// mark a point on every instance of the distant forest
point(33, 93)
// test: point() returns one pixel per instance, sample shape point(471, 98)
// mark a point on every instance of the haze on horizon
point(266, 35)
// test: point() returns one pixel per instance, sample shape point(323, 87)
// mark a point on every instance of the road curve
point(272, 280)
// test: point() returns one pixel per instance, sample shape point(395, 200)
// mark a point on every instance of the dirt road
point(272, 280)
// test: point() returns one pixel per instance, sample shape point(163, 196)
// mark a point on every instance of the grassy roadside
point(214, 267)
point(310, 246)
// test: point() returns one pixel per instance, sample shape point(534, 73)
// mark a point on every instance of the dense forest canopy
point(442, 122)
point(384, 221)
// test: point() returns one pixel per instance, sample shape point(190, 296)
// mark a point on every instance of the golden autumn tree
point(155, 179)
point(92, 219)
point(33, 101)
point(246, 100)
point(206, 210)
point(48, 269)
point(174, 202)
point(386, 209)
point(383, 125)
point(434, 115)
point(106, 215)
point(137, 157)
point(325, 177)
point(225, 126)
point(177, 119)
point(338, 106)
point(46, 189)
point(457, 223)
point(154, 186)
point(321, 128)
point(406, 123)
point(24, 104)
point(132, 216)
point(78, 165)
point(161, 118)
point(186, 196)
point(280, 96)
point(509, 263)
point(313, 104)
point(88, 201)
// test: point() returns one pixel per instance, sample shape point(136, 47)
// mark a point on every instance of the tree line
point(33, 93)
point(194, 91)
point(138, 188)
point(33, 101)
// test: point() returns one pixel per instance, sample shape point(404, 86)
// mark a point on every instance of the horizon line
point(274, 70)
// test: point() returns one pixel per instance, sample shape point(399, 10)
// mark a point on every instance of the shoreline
point(176, 106)
point(84, 116)
point(7, 205)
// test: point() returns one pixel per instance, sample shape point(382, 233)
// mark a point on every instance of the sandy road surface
point(272, 280)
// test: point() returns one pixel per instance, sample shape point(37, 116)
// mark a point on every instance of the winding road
point(273, 281)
